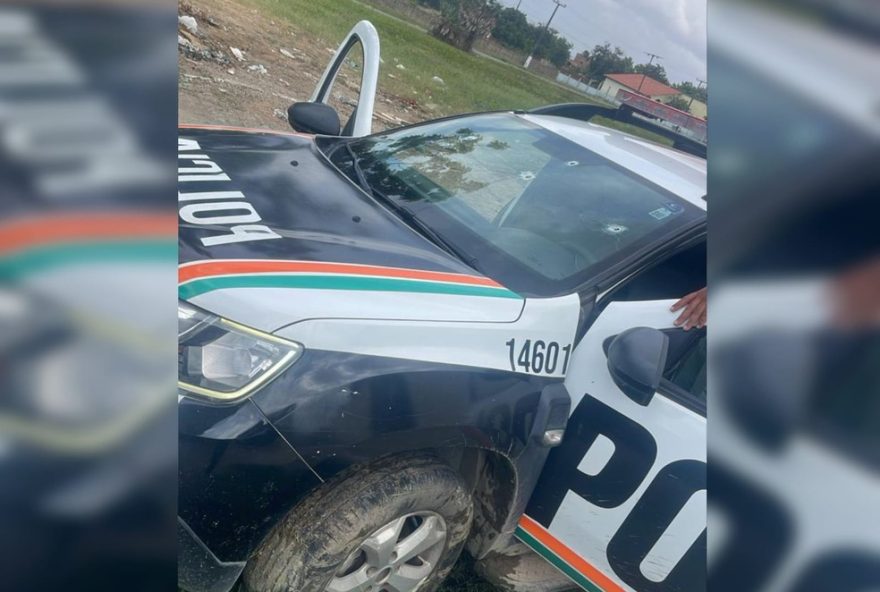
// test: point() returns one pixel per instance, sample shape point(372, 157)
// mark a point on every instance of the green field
point(472, 82)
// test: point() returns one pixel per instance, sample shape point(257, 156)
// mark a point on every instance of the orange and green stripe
point(563, 558)
point(204, 276)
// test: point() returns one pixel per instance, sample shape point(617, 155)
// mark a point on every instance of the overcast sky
point(674, 29)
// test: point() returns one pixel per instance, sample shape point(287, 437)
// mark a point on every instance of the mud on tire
point(314, 544)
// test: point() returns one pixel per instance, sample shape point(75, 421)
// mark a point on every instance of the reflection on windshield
point(536, 205)
point(434, 156)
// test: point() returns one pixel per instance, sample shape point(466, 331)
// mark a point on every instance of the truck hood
point(272, 234)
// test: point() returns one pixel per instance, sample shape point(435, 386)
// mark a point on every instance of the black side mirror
point(314, 118)
point(636, 360)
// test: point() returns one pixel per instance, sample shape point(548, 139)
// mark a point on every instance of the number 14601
point(537, 357)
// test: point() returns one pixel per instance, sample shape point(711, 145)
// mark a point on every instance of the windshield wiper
point(427, 231)
point(432, 235)
point(358, 171)
point(411, 219)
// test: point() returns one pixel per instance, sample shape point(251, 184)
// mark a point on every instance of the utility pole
point(558, 4)
point(518, 4)
point(700, 84)
point(651, 61)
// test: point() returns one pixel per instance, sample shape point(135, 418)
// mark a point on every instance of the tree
point(553, 48)
point(655, 71)
point(680, 102)
point(462, 22)
point(701, 93)
point(605, 60)
point(513, 30)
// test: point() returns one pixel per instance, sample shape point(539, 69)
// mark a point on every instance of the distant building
point(698, 107)
point(649, 87)
point(638, 83)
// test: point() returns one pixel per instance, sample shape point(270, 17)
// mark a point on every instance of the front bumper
point(237, 478)
point(198, 569)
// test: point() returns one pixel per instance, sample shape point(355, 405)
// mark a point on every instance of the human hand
point(694, 310)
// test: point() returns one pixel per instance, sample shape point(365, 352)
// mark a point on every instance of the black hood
point(290, 188)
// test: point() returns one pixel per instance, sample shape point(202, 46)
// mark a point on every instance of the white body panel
point(680, 173)
point(473, 344)
point(679, 434)
point(270, 309)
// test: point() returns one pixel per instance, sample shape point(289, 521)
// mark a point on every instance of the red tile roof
point(650, 87)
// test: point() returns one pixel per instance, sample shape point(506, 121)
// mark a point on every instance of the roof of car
point(675, 171)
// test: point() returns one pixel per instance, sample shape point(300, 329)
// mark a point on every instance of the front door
point(621, 504)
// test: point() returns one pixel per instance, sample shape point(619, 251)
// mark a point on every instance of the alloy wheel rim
point(397, 557)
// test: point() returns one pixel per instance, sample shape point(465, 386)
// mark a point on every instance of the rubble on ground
point(217, 83)
point(189, 23)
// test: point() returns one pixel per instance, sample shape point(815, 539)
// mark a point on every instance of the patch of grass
point(472, 83)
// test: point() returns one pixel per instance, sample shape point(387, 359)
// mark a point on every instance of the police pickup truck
point(453, 334)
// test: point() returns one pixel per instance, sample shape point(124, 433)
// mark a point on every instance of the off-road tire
point(304, 551)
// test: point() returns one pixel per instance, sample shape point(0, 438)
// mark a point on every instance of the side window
point(674, 277)
point(684, 378)
point(687, 370)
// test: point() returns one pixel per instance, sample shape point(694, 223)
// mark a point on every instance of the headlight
point(223, 360)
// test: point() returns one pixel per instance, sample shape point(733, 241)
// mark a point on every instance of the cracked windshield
point(503, 184)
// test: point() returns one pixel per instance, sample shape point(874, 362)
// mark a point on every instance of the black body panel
point(236, 476)
point(198, 569)
point(338, 410)
point(319, 213)
point(239, 476)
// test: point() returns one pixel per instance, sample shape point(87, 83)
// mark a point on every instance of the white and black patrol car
point(382, 337)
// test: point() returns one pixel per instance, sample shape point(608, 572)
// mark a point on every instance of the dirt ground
point(217, 87)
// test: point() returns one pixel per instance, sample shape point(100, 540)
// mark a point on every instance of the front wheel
point(397, 526)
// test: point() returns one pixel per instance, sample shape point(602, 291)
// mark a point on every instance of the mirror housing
point(636, 360)
point(314, 118)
